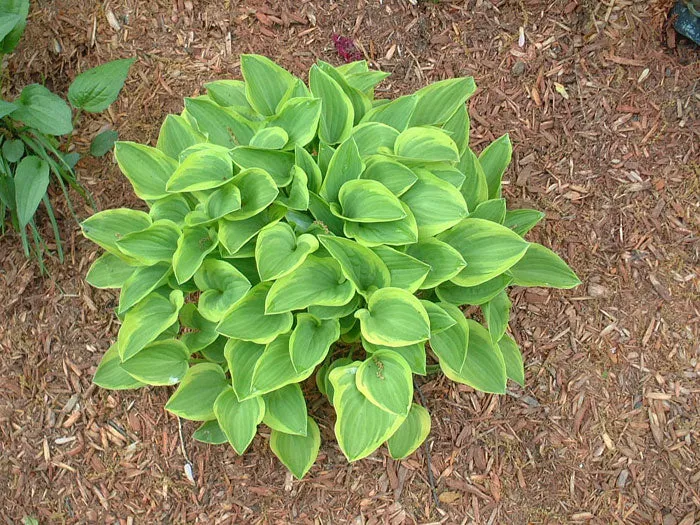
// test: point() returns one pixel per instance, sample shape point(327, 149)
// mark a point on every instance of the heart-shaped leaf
point(278, 250)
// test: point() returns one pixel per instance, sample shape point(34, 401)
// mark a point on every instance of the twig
point(188, 465)
point(431, 479)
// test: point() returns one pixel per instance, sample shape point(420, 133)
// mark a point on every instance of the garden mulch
point(601, 101)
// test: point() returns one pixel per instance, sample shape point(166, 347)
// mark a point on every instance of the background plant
point(298, 231)
point(31, 152)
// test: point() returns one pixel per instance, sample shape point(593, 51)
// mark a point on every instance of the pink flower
point(346, 48)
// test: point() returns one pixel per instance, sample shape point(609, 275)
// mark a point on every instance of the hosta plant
point(297, 232)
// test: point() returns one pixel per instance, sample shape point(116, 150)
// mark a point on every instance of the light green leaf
point(21, 9)
point(111, 375)
point(493, 210)
point(436, 204)
point(513, 359)
point(393, 233)
point(489, 249)
point(394, 317)
point(451, 345)
point(241, 357)
point(361, 103)
point(425, 144)
point(142, 282)
point(540, 266)
point(173, 208)
point(406, 272)
point(494, 160)
point(413, 354)
point(297, 193)
point(146, 321)
point(345, 165)
point(299, 118)
point(458, 128)
point(395, 113)
point(523, 220)
point(395, 176)
point(176, 135)
point(475, 188)
point(411, 434)
point(153, 244)
point(316, 281)
point(221, 286)
point(43, 110)
point(228, 93)
point(475, 295)
point(223, 126)
point(148, 169)
point(297, 453)
point(335, 312)
point(266, 84)
point(258, 190)
point(31, 183)
point(444, 261)
point(274, 369)
point(285, 410)
point(221, 202)
point(437, 102)
point(305, 161)
point(440, 320)
point(360, 265)
point(161, 363)
point(234, 234)
point(208, 166)
point(497, 314)
point(311, 340)
point(357, 440)
point(365, 81)
point(448, 173)
point(192, 247)
point(13, 149)
point(337, 113)
point(271, 137)
point(278, 250)
point(238, 419)
point(374, 137)
point(95, 89)
point(277, 164)
point(385, 379)
point(247, 319)
point(368, 201)
point(210, 432)
point(105, 228)
point(195, 395)
point(109, 271)
point(322, 213)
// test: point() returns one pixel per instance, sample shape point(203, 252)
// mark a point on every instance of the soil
point(601, 103)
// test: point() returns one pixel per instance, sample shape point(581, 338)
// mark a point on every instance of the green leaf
point(95, 89)
point(297, 453)
point(222, 285)
point(395, 176)
point(475, 188)
point(395, 113)
point(406, 272)
point(497, 314)
point(109, 271)
point(368, 201)
point(208, 166)
point(148, 169)
point(200, 331)
point(394, 317)
point(215, 352)
point(234, 234)
point(228, 93)
point(105, 228)
point(21, 9)
point(523, 220)
point(192, 247)
point(151, 245)
point(411, 434)
point(440, 320)
point(111, 375)
point(475, 295)
point(493, 210)
point(458, 128)
point(448, 173)
point(142, 282)
point(103, 143)
point(223, 126)
point(43, 110)
point(489, 249)
point(322, 213)
point(361, 103)
point(297, 193)
point(337, 113)
point(310, 341)
point(278, 251)
point(335, 312)
point(13, 150)
point(436, 204)
point(360, 265)
point(210, 432)
point(277, 164)
point(374, 137)
point(274, 369)
point(413, 354)
point(494, 160)
point(451, 345)
point(238, 419)
point(176, 135)
point(222, 201)
point(173, 208)
point(385, 379)
point(305, 161)
point(6, 107)
point(437, 102)
point(195, 396)
point(540, 266)
point(266, 84)
point(146, 321)
point(161, 363)
point(299, 117)
point(345, 165)
point(365, 81)
point(484, 368)
point(31, 183)
point(271, 137)
point(241, 357)
point(444, 261)
point(285, 410)
point(247, 319)
point(360, 427)
point(393, 233)
point(513, 359)
point(258, 190)
point(316, 281)
point(425, 144)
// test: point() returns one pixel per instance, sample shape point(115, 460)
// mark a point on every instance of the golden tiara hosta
point(284, 219)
